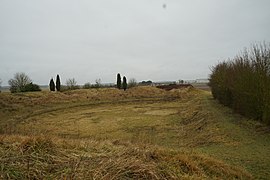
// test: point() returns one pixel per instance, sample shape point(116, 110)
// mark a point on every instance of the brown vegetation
point(174, 86)
point(244, 83)
point(141, 133)
point(24, 157)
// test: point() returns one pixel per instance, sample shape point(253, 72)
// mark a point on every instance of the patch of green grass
point(244, 145)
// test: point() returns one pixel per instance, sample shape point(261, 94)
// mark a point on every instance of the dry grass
point(104, 94)
point(143, 133)
point(24, 157)
point(171, 120)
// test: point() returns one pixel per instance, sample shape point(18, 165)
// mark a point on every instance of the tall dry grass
point(31, 157)
point(243, 83)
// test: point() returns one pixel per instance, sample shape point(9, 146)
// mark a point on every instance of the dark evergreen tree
point(118, 81)
point(124, 83)
point(52, 85)
point(58, 83)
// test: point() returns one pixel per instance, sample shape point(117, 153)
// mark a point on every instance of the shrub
point(98, 84)
point(72, 84)
point(243, 83)
point(31, 87)
point(132, 82)
point(64, 88)
point(146, 83)
point(87, 85)
point(18, 83)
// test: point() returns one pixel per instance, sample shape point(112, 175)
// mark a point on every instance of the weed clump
point(37, 145)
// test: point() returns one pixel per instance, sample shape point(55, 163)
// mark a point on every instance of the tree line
point(243, 83)
point(22, 83)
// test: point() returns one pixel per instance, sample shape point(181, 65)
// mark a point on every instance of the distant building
point(162, 83)
point(201, 81)
point(189, 81)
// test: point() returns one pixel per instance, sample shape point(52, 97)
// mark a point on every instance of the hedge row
point(243, 83)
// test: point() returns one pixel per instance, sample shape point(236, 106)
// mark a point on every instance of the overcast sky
point(142, 39)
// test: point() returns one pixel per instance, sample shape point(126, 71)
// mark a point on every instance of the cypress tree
point(52, 85)
point(124, 83)
point(58, 83)
point(118, 81)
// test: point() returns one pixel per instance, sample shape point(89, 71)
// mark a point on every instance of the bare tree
point(132, 82)
point(0, 84)
point(18, 83)
point(72, 84)
point(98, 83)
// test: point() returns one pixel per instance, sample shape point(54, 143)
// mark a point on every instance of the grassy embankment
point(142, 133)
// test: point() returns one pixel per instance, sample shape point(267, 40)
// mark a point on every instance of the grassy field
point(143, 133)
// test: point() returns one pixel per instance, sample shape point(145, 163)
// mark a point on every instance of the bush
point(18, 83)
point(146, 83)
point(64, 88)
point(98, 84)
point(31, 87)
point(72, 84)
point(132, 82)
point(243, 83)
point(87, 85)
